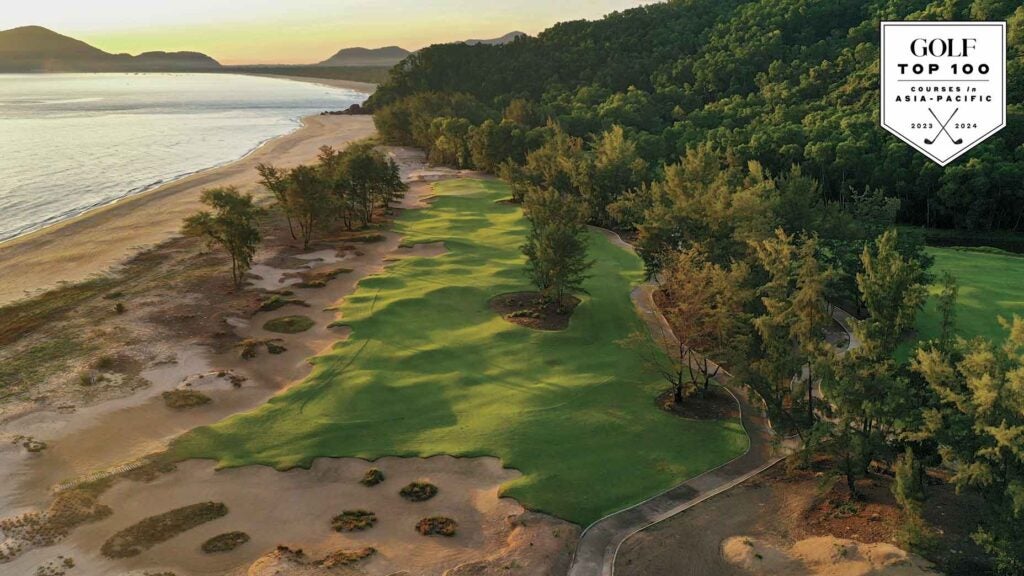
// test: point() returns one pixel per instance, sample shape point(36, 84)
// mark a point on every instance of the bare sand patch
point(823, 556)
point(295, 508)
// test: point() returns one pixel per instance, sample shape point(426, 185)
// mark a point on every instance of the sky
point(291, 32)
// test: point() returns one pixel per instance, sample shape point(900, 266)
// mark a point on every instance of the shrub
point(151, 531)
point(105, 363)
point(225, 542)
point(418, 491)
point(439, 525)
point(247, 349)
point(289, 324)
point(372, 477)
point(184, 399)
point(353, 520)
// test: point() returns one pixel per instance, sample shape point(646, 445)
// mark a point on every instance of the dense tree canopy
point(782, 82)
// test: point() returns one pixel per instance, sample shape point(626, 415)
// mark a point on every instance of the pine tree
point(556, 247)
point(233, 225)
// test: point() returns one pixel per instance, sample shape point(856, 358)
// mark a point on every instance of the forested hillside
point(783, 82)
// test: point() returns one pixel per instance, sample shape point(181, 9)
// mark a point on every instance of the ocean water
point(71, 142)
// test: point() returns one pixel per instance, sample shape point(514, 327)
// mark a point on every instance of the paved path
point(599, 544)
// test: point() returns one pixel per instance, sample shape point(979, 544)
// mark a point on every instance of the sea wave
point(63, 160)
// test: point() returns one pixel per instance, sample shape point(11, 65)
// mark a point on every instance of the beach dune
point(74, 250)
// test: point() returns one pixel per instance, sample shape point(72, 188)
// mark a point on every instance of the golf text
point(943, 84)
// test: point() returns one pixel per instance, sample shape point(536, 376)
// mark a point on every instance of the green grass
point(429, 369)
point(991, 285)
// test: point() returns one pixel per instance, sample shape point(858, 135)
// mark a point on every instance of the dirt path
point(600, 542)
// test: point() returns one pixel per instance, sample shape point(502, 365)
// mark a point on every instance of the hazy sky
point(290, 31)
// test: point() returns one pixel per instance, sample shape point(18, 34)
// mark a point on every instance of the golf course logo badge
point(943, 84)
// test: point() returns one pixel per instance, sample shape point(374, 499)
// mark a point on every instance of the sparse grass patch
point(225, 542)
point(68, 510)
point(33, 445)
point(151, 531)
point(249, 348)
point(277, 301)
point(346, 557)
point(183, 399)
point(440, 525)
point(39, 362)
point(320, 279)
point(26, 316)
point(353, 520)
point(418, 491)
point(372, 477)
point(289, 324)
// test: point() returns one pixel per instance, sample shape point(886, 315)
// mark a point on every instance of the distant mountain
point(507, 38)
point(391, 55)
point(387, 56)
point(36, 49)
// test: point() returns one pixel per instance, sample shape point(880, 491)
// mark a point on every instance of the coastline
point(367, 87)
point(95, 241)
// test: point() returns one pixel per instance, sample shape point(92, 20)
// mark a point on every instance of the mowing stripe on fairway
point(429, 369)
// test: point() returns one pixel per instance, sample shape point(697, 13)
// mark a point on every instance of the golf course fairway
point(430, 369)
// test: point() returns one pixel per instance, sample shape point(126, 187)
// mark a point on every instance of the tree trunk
point(851, 484)
point(810, 395)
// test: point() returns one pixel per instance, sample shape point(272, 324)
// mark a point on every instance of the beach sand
point(98, 240)
point(367, 87)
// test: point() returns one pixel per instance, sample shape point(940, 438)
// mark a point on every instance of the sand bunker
point(295, 509)
point(823, 556)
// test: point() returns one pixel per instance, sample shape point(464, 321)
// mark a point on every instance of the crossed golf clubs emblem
point(943, 125)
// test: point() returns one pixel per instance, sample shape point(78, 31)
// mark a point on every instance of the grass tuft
point(225, 542)
point(151, 531)
point(184, 399)
point(372, 477)
point(289, 324)
point(353, 521)
point(440, 525)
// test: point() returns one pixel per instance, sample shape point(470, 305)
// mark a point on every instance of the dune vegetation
point(431, 369)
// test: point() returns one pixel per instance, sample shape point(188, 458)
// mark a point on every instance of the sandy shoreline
point(75, 249)
point(367, 87)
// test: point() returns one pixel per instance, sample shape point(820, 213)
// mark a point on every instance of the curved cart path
point(599, 544)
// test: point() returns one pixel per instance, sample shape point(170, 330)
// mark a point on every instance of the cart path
point(599, 544)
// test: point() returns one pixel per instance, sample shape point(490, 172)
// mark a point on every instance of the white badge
point(943, 84)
